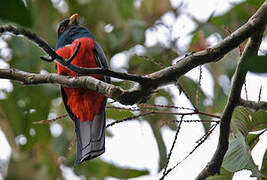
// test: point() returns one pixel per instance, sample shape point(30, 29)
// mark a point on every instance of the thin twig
point(50, 120)
point(186, 95)
point(168, 121)
point(199, 142)
point(208, 114)
point(198, 86)
point(166, 112)
point(164, 106)
point(71, 145)
point(209, 131)
point(127, 119)
point(66, 62)
point(259, 97)
point(173, 144)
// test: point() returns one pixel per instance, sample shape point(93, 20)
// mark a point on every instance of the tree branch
point(253, 105)
point(166, 75)
point(212, 54)
point(147, 83)
point(66, 62)
point(215, 163)
point(127, 97)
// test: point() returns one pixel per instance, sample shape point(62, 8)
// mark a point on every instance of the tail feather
point(90, 134)
point(90, 138)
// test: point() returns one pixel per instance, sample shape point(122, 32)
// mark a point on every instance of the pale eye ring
point(62, 29)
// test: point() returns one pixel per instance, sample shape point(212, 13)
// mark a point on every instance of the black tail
point(90, 138)
point(90, 135)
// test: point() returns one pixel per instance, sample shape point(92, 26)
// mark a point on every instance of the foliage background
point(122, 28)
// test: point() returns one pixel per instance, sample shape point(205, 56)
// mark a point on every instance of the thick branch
point(214, 53)
point(109, 90)
point(169, 74)
point(214, 165)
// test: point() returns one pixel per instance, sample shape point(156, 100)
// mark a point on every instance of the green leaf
point(238, 156)
point(257, 64)
point(241, 120)
point(264, 167)
point(190, 87)
point(15, 11)
point(161, 119)
point(126, 8)
point(252, 140)
point(220, 99)
point(224, 175)
point(244, 120)
point(155, 55)
point(238, 15)
point(101, 169)
point(160, 142)
point(259, 120)
point(141, 66)
point(123, 84)
point(117, 114)
point(264, 106)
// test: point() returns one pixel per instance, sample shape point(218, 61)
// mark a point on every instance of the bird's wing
point(101, 59)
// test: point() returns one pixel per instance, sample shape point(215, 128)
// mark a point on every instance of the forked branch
point(146, 84)
point(213, 167)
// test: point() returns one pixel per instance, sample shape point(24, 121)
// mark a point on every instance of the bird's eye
point(62, 29)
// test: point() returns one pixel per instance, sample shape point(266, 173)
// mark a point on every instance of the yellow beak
point(73, 18)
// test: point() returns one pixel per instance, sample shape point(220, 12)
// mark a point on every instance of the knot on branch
point(135, 97)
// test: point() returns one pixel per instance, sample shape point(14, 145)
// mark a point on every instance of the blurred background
point(140, 37)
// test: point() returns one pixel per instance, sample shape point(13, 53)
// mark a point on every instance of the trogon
point(85, 107)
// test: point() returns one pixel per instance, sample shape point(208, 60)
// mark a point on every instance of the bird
point(85, 107)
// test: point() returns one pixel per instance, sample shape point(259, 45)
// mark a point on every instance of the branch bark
point(148, 83)
point(253, 105)
point(87, 82)
point(251, 49)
